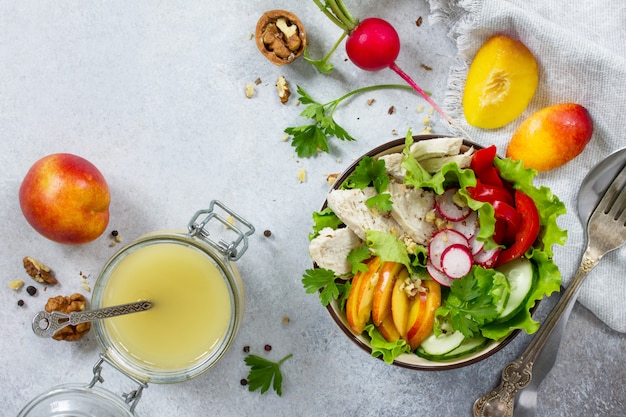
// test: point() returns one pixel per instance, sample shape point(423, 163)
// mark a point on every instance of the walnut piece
point(38, 271)
point(67, 305)
point(280, 36)
point(282, 86)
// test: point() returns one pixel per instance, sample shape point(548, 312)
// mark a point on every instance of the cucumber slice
point(521, 275)
point(440, 345)
point(469, 345)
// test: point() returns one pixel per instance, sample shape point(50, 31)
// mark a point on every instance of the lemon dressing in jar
point(196, 294)
point(195, 304)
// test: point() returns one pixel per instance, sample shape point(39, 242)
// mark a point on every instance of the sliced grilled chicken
point(349, 206)
point(410, 209)
point(331, 248)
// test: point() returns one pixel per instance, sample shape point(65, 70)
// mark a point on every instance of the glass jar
point(197, 301)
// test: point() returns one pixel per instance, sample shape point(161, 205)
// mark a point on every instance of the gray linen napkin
point(581, 51)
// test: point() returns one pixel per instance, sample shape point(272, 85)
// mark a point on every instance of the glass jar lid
point(76, 401)
point(80, 400)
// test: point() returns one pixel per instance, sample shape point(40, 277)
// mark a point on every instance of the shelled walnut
point(67, 305)
point(280, 36)
point(38, 271)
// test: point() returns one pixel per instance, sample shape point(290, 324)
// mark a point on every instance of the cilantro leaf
point(369, 171)
point(356, 258)
point(312, 138)
point(308, 140)
point(472, 301)
point(265, 373)
point(323, 280)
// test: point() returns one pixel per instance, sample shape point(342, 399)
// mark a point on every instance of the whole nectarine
point(66, 199)
point(551, 137)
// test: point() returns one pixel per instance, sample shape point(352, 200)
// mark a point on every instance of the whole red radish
point(373, 45)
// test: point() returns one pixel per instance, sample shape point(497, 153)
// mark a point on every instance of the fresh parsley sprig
point(372, 171)
point(324, 281)
point(471, 302)
point(265, 373)
point(312, 138)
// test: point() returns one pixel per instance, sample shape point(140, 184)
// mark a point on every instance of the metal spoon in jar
point(47, 324)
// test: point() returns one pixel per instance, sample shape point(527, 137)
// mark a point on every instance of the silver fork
point(606, 231)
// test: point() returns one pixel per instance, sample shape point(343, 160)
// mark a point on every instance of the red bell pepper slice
point(508, 215)
point(482, 165)
point(527, 232)
point(488, 193)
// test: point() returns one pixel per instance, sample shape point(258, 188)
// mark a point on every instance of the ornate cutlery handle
point(518, 374)
point(47, 324)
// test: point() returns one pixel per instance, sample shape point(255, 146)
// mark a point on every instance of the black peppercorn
point(246, 349)
point(268, 348)
point(267, 233)
point(20, 303)
point(243, 381)
point(114, 233)
point(31, 290)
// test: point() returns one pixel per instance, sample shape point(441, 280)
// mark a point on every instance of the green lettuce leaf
point(322, 219)
point(381, 347)
point(387, 247)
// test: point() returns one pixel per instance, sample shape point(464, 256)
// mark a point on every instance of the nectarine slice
point(382, 294)
point(361, 296)
point(501, 81)
point(400, 304)
point(551, 137)
point(388, 330)
point(422, 313)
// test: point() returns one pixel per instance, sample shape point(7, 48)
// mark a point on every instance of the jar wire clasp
point(131, 398)
point(199, 226)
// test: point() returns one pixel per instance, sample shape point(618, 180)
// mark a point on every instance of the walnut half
point(38, 271)
point(67, 305)
point(280, 36)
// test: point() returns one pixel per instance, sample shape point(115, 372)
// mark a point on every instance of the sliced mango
point(500, 84)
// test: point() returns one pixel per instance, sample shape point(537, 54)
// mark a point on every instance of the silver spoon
point(605, 232)
point(593, 187)
point(47, 324)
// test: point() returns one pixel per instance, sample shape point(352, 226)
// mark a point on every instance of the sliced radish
point(448, 209)
point(475, 244)
point(438, 276)
point(456, 261)
point(440, 241)
point(468, 227)
point(487, 257)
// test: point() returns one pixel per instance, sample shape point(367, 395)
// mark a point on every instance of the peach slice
point(501, 81)
point(361, 296)
point(551, 137)
point(422, 313)
point(400, 303)
point(382, 294)
point(388, 330)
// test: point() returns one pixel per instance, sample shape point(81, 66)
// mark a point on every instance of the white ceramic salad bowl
point(411, 359)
